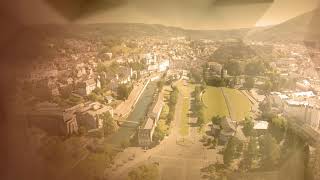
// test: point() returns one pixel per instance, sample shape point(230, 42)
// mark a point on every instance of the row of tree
point(173, 99)
point(198, 105)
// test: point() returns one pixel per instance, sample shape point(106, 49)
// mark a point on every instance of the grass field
point(239, 103)
point(215, 103)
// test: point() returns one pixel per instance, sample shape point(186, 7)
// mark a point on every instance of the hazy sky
point(191, 14)
point(203, 14)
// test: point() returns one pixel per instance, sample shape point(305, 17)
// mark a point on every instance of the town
point(173, 108)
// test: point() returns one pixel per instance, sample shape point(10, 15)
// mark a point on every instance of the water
point(128, 129)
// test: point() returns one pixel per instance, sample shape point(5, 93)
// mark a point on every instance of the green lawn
point(215, 104)
point(239, 103)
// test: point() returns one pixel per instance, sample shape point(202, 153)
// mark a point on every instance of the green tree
point(249, 82)
point(109, 124)
point(145, 172)
point(269, 150)
point(196, 75)
point(232, 150)
point(216, 120)
point(123, 92)
point(249, 155)
point(161, 131)
point(255, 68)
point(278, 127)
point(160, 84)
point(248, 126)
point(233, 68)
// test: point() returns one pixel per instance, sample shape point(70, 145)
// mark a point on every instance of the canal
point(128, 129)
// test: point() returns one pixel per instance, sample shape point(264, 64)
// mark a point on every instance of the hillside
point(300, 28)
point(135, 30)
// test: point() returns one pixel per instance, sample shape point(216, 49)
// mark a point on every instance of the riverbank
point(125, 108)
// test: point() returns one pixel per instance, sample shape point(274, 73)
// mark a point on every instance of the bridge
point(119, 121)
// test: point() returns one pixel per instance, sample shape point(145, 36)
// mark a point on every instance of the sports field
point(215, 103)
point(239, 104)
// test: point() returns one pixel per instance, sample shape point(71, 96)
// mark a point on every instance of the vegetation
point(172, 103)
point(270, 151)
point(216, 120)
point(239, 103)
point(123, 91)
point(255, 68)
point(248, 127)
point(145, 172)
point(277, 127)
point(249, 83)
point(198, 106)
point(250, 155)
point(232, 151)
point(196, 75)
point(109, 124)
point(161, 131)
point(214, 103)
point(233, 68)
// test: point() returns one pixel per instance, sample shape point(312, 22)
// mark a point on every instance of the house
point(52, 119)
point(109, 99)
point(261, 126)
point(145, 132)
point(228, 129)
point(124, 76)
point(85, 88)
point(89, 115)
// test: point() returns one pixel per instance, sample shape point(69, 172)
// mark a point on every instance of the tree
point(123, 92)
point(145, 172)
point(216, 120)
point(248, 126)
point(277, 127)
point(233, 68)
point(160, 84)
point(232, 150)
point(196, 75)
point(249, 155)
point(255, 68)
point(249, 83)
point(109, 124)
point(269, 150)
point(161, 131)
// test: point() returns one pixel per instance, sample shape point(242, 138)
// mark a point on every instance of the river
point(128, 129)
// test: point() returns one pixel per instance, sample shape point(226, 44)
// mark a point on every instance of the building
point(85, 88)
point(228, 130)
point(89, 115)
point(261, 127)
point(145, 132)
point(52, 119)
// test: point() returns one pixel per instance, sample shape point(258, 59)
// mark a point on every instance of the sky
point(203, 14)
point(188, 14)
